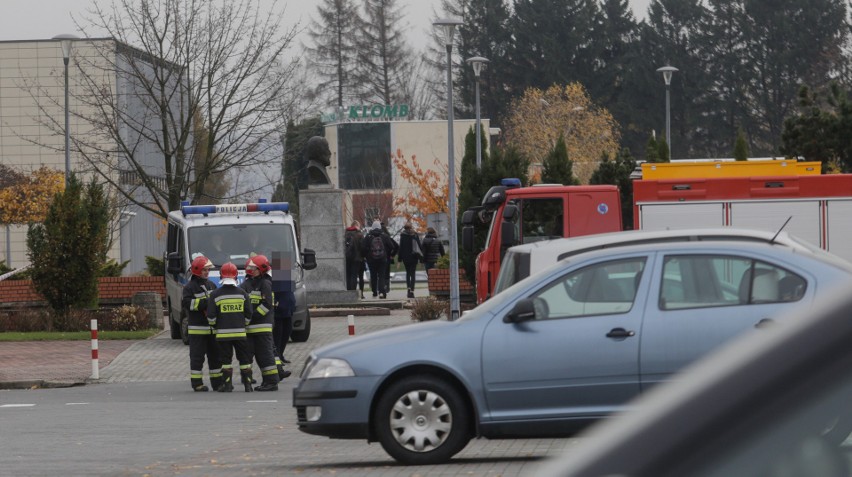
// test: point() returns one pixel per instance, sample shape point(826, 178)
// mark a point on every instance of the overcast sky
point(42, 19)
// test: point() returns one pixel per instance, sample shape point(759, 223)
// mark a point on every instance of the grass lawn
point(76, 335)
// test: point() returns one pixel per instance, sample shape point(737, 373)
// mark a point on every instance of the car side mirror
point(174, 263)
point(510, 212)
point(309, 259)
point(524, 310)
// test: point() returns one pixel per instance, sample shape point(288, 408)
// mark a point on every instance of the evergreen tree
point(652, 150)
point(617, 172)
point(65, 271)
point(741, 147)
point(471, 191)
point(333, 53)
point(821, 133)
point(790, 43)
point(553, 44)
point(294, 168)
point(384, 59)
point(557, 168)
point(618, 34)
point(663, 151)
point(486, 32)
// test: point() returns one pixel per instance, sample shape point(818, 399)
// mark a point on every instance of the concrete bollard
point(153, 304)
point(95, 367)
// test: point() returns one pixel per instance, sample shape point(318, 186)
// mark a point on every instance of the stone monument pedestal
point(322, 228)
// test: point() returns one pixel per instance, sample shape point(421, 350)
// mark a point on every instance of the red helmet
point(228, 270)
point(199, 264)
point(260, 262)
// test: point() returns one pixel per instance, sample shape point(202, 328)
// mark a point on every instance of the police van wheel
point(300, 336)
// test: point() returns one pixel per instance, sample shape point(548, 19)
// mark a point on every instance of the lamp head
point(65, 41)
point(449, 27)
point(477, 62)
point(667, 73)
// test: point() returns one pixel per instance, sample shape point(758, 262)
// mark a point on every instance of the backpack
point(377, 248)
point(349, 247)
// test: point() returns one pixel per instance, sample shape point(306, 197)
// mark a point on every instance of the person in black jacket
point(258, 285)
point(433, 249)
point(376, 246)
point(352, 239)
point(392, 252)
point(201, 339)
point(229, 312)
point(410, 254)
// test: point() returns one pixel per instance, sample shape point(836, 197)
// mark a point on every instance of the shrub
point(112, 268)
point(443, 263)
point(124, 318)
point(154, 266)
point(26, 320)
point(74, 320)
point(428, 309)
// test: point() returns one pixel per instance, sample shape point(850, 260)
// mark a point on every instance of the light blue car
point(556, 351)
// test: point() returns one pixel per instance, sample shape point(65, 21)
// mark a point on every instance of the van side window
point(171, 238)
point(600, 289)
point(696, 281)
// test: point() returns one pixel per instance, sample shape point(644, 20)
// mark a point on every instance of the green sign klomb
point(378, 111)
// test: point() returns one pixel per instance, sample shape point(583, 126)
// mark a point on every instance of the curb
point(40, 384)
point(336, 312)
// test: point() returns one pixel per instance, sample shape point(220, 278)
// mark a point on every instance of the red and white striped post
point(95, 371)
point(351, 320)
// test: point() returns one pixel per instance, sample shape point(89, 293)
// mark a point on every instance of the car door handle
point(764, 323)
point(619, 333)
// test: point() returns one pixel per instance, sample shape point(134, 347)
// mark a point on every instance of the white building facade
point(32, 109)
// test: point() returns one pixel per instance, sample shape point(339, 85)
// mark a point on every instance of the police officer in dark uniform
point(229, 311)
point(202, 342)
point(258, 285)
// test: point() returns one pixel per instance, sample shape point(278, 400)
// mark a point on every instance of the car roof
point(567, 245)
point(675, 421)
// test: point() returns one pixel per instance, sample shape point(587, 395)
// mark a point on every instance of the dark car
point(773, 404)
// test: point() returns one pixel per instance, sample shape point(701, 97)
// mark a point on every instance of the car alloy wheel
point(422, 421)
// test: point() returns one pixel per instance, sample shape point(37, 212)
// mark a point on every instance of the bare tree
point(172, 63)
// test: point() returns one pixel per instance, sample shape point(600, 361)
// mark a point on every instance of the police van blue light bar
point(265, 207)
point(510, 182)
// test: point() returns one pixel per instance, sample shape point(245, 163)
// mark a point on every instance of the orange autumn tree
point(426, 190)
point(28, 198)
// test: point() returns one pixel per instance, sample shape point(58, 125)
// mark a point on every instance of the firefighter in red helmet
point(202, 342)
point(229, 312)
point(258, 285)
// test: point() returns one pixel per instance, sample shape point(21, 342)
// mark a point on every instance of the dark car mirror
point(467, 238)
point(309, 259)
point(524, 310)
point(508, 237)
point(174, 263)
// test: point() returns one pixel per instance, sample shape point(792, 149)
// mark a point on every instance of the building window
point(364, 156)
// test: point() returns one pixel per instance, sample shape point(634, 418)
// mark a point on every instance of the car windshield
point(236, 242)
point(515, 267)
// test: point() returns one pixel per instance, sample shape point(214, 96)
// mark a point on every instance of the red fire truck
point(518, 215)
point(819, 208)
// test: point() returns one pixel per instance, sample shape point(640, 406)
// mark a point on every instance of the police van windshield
point(235, 243)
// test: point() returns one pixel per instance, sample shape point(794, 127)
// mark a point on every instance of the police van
point(232, 233)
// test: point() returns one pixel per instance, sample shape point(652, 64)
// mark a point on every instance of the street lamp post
point(667, 77)
point(449, 26)
point(66, 41)
point(478, 62)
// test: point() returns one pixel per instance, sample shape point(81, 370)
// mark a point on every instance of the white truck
point(231, 233)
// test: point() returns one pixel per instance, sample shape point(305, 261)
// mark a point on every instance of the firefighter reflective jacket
point(259, 290)
point(229, 311)
point(195, 294)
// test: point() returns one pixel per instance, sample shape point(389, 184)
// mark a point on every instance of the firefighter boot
point(282, 373)
point(227, 386)
point(197, 384)
point(246, 376)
